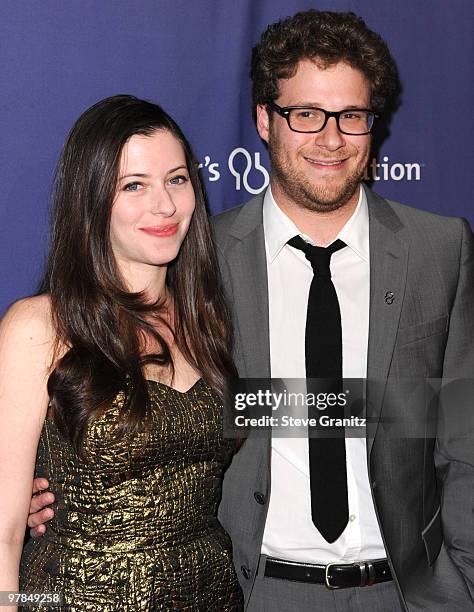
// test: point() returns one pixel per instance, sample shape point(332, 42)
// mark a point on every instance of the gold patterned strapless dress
point(136, 529)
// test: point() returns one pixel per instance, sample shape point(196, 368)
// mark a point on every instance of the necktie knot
point(319, 257)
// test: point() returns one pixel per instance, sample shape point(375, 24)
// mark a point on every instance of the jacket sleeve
point(454, 452)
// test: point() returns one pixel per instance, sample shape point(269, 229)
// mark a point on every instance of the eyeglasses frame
point(284, 111)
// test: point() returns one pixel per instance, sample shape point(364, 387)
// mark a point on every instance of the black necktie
point(323, 353)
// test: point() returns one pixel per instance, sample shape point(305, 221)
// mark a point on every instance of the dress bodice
point(137, 508)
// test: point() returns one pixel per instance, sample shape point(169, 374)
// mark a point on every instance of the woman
point(117, 369)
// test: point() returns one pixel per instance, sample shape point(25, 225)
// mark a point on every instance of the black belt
point(333, 575)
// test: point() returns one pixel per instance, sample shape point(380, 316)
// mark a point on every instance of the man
point(402, 288)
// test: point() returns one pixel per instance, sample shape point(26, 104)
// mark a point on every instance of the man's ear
point(263, 122)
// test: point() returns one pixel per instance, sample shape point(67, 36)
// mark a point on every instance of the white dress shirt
point(289, 531)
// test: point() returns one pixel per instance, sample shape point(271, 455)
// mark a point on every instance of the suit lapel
point(246, 260)
point(388, 274)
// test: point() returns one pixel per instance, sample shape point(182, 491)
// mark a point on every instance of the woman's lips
point(161, 231)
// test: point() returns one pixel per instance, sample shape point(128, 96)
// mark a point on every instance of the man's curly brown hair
point(327, 38)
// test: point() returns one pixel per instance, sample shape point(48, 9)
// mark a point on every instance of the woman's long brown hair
point(96, 318)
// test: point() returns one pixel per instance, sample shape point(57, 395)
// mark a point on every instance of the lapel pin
point(389, 297)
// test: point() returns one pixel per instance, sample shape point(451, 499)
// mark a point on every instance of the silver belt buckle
point(326, 577)
point(367, 574)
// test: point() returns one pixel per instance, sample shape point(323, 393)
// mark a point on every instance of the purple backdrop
point(58, 57)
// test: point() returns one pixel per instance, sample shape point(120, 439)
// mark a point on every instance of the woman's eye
point(132, 186)
point(179, 179)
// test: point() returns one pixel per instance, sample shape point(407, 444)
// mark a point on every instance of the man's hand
point(38, 514)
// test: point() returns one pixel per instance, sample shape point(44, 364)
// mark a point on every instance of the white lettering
point(385, 171)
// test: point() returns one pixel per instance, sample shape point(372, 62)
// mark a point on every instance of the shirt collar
point(279, 228)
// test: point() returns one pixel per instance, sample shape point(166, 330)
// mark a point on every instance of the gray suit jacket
point(422, 486)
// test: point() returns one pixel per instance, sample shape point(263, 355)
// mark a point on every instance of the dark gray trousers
point(275, 595)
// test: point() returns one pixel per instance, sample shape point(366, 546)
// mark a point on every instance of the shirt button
point(245, 571)
point(259, 498)
point(352, 517)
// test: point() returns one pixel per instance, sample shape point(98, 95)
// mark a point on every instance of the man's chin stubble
point(315, 200)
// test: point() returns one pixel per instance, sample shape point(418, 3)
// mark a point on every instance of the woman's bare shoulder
point(29, 320)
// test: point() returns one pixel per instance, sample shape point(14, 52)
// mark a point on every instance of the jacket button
point(374, 484)
point(259, 498)
point(245, 571)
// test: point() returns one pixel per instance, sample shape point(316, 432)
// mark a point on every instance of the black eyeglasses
point(309, 119)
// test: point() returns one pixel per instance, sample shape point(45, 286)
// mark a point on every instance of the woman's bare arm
point(26, 341)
